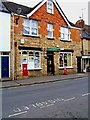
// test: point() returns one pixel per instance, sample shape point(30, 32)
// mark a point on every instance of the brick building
point(45, 41)
point(85, 36)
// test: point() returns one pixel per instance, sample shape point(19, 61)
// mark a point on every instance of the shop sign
point(53, 49)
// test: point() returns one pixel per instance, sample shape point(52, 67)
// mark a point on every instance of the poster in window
point(31, 61)
point(24, 59)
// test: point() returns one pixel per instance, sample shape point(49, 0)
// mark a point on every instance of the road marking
point(17, 110)
point(33, 105)
point(47, 106)
point(25, 108)
point(85, 94)
point(17, 114)
point(69, 99)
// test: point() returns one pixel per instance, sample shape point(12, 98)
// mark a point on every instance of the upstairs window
point(34, 27)
point(65, 33)
point(50, 6)
point(50, 30)
point(31, 27)
point(26, 26)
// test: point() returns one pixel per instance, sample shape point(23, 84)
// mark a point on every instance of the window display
point(32, 59)
point(65, 60)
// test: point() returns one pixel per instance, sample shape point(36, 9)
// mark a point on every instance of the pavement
point(40, 80)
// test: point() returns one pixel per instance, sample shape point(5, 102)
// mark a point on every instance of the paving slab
point(40, 80)
point(11, 83)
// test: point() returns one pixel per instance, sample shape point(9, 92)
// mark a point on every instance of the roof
point(3, 8)
point(58, 8)
point(12, 7)
point(28, 11)
point(87, 28)
point(85, 35)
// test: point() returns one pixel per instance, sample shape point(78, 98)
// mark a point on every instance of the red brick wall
point(45, 17)
point(18, 28)
point(75, 35)
point(42, 15)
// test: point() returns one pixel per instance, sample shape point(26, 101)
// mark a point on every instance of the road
point(64, 99)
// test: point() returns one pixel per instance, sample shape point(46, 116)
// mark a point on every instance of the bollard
point(65, 71)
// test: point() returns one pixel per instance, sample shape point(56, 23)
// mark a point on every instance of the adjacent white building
point(4, 43)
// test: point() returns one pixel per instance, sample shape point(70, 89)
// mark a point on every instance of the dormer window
point(50, 6)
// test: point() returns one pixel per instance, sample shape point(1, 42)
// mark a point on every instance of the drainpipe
point(12, 14)
point(82, 49)
point(18, 11)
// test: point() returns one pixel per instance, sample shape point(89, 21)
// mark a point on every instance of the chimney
point(80, 23)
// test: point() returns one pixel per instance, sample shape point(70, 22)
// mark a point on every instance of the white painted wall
point(4, 31)
point(0, 65)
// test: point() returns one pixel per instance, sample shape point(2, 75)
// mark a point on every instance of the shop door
point(79, 64)
point(5, 66)
point(50, 63)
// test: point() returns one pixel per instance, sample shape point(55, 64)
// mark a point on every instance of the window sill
point(50, 13)
point(66, 67)
point(34, 69)
point(65, 40)
point(50, 38)
point(35, 36)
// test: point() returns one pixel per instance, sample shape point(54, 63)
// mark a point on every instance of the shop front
point(85, 62)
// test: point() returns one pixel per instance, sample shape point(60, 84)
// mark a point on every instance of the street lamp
point(18, 11)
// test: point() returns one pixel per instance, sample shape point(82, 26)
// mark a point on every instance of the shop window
point(61, 60)
point(32, 59)
point(24, 57)
point(37, 60)
point(65, 60)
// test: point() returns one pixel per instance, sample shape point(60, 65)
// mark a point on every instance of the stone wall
point(42, 42)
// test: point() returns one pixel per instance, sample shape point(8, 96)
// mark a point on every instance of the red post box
point(24, 70)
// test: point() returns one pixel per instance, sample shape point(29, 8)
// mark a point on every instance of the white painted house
point(4, 43)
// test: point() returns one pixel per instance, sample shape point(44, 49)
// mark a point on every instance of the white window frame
point(66, 35)
point(27, 57)
point(50, 8)
point(31, 26)
point(63, 60)
point(50, 29)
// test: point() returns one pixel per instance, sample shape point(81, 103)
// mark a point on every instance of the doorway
point(79, 64)
point(5, 66)
point(50, 63)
